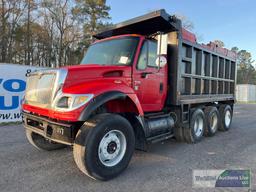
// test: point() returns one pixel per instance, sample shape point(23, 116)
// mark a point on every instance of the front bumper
point(52, 130)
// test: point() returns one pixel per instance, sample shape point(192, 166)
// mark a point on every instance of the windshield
point(112, 52)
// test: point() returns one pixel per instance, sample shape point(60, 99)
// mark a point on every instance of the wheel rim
point(112, 148)
point(227, 118)
point(198, 126)
point(214, 122)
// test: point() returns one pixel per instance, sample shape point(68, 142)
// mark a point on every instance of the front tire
point(104, 146)
point(42, 143)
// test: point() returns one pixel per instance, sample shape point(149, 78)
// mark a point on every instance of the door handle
point(161, 87)
point(145, 74)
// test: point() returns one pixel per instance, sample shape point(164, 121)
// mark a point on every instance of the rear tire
point(226, 114)
point(212, 117)
point(42, 143)
point(104, 146)
point(194, 133)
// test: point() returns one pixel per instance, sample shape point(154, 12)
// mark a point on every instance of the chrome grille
point(40, 89)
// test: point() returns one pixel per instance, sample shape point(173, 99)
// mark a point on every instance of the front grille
point(40, 89)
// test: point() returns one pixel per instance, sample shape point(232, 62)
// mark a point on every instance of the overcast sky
point(232, 21)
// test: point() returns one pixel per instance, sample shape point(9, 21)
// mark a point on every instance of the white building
point(246, 93)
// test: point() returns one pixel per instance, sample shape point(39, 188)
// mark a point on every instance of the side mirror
point(162, 44)
point(161, 61)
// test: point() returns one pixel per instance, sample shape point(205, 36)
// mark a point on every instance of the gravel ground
point(165, 167)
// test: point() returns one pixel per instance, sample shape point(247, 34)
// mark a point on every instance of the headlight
point(64, 102)
point(68, 102)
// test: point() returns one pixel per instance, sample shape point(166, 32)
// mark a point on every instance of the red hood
point(82, 73)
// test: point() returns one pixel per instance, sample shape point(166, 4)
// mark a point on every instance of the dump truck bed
point(199, 73)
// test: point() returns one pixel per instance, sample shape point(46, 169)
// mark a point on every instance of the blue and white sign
point(12, 89)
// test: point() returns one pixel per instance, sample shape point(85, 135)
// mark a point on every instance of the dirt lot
point(165, 167)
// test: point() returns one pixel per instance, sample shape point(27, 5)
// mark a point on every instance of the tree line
point(246, 72)
point(55, 33)
point(49, 33)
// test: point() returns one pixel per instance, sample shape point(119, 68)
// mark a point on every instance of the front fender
point(104, 98)
point(98, 101)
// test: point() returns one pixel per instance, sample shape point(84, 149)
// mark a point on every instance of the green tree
point(11, 12)
point(93, 14)
point(63, 28)
point(31, 6)
point(246, 73)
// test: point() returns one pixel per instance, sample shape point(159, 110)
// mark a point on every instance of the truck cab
point(128, 91)
point(135, 58)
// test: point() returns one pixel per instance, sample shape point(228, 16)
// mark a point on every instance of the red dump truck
point(142, 81)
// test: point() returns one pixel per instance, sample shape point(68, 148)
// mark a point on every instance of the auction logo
point(221, 178)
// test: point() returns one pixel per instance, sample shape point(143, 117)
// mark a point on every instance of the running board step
point(159, 138)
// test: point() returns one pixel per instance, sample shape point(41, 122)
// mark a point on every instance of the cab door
point(150, 82)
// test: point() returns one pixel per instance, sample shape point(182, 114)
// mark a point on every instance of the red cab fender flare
point(105, 97)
